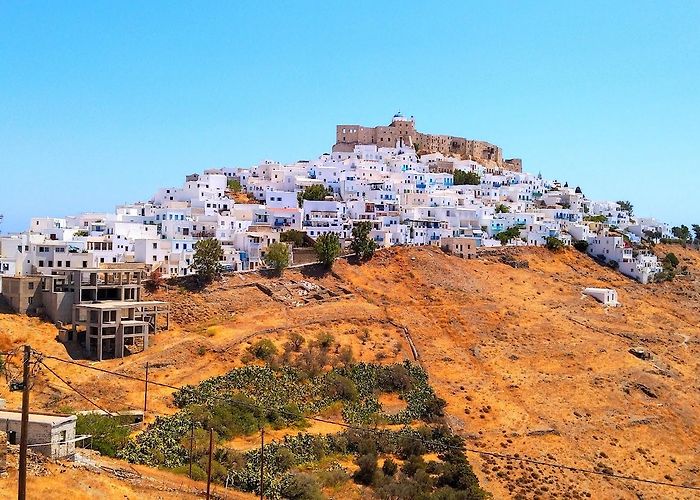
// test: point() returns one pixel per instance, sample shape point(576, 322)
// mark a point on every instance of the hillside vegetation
point(527, 365)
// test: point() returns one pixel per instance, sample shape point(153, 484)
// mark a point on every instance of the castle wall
point(347, 136)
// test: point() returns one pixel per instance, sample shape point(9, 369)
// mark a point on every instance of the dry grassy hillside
point(527, 365)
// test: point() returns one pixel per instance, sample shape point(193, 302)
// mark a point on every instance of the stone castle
point(404, 130)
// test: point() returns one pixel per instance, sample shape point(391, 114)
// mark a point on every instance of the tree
point(502, 209)
point(108, 435)
point(696, 230)
point(581, 245)
point(461, 177)
point(626, 206)
point(315, 192)
point(671, 260)
point(652, 235)
point(682, 232)
point(507, 235)
point(554, 243)
point(294, 236)
point(362, 245)
point(234, 185)
point(206, 262)
point(327, 248)
point(595, 218)
point(277, 257)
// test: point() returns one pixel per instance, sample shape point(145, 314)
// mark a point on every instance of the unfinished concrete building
point(108, 328)
point(103, 306)
point(108, 314)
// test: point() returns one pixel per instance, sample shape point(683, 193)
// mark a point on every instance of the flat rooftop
point(114, 304)
point(39, 418)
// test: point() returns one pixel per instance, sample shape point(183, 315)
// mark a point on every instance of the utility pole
point(191, 444)
point(22, 483)
point(262, 461)
point(145, 394)
point(211, 448)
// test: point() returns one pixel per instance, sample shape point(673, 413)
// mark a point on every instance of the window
point(30, 285)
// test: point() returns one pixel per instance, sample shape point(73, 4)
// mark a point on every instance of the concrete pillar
point(99, 342)
point(119, 342)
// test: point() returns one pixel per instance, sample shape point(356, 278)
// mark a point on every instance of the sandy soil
point(527, 364)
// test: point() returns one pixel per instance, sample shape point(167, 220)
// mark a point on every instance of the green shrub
point(595, 218)
point(367, 469)
point(325, 340)
point(108, 435)
point(554, 243)
point(296, 340)
point(333, 478)
point(198, 474)
point(316, 192)
point(461, 177)
point(301, 486)
point(263, 349)
point(413, 465)
point(409, 446)
point(395, 378)
point(502, 209)
point(389, 467)
point(340, 387)
point(234, 185)
point(297, 238)
point(508, 234)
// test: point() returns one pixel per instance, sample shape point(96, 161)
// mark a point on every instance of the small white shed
point(50, 434)
point(606, 296)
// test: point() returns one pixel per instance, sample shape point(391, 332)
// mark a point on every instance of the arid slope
point(527, 364)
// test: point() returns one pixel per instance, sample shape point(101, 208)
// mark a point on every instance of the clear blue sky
point(103, 102)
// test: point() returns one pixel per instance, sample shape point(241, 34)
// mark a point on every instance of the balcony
point(204, 234)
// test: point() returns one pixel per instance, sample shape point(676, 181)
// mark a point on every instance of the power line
point(74, 389)
point(500, 456)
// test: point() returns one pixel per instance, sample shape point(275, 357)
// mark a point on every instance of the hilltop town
point(454, 193)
